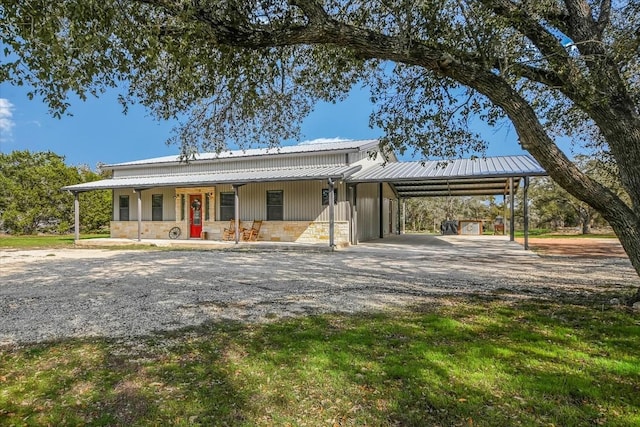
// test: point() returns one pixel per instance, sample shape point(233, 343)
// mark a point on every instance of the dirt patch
point(577, 247)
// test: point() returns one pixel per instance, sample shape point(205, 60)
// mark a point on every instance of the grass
point(544, 233)
point(43, 241)
point(465, 362)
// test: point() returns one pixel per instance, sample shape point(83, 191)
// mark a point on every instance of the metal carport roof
point(460, 177)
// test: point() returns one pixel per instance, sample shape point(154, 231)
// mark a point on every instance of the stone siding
point(270, 231)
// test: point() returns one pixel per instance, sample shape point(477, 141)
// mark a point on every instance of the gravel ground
point(72, 293)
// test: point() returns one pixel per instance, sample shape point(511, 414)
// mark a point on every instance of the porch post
point(354, 214)
point(139, 192)
point(512, 229)
point(526, 213)
point(332, 219)
point(236, 214)
point(76, 215)
point(380, 210)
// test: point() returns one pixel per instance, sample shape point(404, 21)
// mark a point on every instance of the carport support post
point(399, 217)
point(331, 214)
point(525, 204)
point(404, 216)
point(512, 229)
point(76, 215)
point(139, 192)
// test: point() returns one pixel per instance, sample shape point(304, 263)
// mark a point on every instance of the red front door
point(195, 216)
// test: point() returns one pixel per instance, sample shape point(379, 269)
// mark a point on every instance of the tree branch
point(604, 18)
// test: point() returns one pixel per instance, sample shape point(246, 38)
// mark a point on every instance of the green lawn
point(543, 233)
point(48, 241)
point(462, 363)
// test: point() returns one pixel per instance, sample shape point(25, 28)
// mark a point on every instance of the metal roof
point(213, 178)
point(460, 177)
point(311, 147)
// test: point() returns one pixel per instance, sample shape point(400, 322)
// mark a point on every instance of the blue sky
point(98, 131)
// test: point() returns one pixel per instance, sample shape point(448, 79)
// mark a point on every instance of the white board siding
point(302, 201)
point(226, 165)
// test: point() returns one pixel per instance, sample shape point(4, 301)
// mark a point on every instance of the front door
point(195, 216)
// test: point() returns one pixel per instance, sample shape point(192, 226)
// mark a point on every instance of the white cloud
point(6, 119)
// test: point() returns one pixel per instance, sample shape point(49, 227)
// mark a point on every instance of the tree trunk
point(624, 220)
point(585, 219)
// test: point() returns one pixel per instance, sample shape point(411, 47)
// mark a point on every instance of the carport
point(481, 176)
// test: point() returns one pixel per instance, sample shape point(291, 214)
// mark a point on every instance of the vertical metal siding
point(168, 203)
point(302, 201)
point(233, 165)
point(368, 212)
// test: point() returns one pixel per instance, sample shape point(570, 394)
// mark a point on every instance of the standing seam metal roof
point(213, 178)
point(461, 177)
point(460, 168)
point(303, 148)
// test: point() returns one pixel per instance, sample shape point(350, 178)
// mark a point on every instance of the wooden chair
point(229, 233)
point(251, 234)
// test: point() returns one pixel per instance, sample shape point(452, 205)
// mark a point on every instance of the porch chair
point(251, 234)
point(230, 233)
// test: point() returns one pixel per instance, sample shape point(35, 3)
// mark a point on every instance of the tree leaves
point(30, 196)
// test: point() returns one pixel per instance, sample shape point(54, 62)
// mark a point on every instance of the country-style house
point(334, 191)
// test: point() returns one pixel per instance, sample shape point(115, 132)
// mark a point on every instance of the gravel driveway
point(54, 294)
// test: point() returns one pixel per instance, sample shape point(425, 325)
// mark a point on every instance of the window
point(123, 206)
point(274, 205)
point(156, 207)
point(325, 196)
point(227, 206)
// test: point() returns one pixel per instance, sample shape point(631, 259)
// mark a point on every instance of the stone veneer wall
point(270, 231)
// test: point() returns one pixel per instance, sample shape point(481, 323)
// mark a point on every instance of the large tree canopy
point(248, 71)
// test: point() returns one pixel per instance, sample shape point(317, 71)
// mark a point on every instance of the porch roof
point(213, 178)
point(461, 177)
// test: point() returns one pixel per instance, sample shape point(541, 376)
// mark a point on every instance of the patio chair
point(229, 233)
point(251, 234)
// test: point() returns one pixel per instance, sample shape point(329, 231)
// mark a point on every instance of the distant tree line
point(31, 199)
